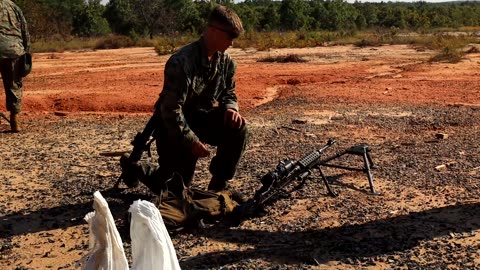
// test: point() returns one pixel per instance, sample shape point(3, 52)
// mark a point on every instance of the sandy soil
point(79, 104)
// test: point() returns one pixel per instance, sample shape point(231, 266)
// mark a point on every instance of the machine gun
point(141, 143)
point(287, 172)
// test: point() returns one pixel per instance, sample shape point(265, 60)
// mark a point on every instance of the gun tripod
point(361, 150)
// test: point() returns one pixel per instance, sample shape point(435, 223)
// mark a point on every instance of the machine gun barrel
point(295, 170)
point(312, 159)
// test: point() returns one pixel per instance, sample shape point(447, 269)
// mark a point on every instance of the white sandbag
point(105, 244)
point(152, 247)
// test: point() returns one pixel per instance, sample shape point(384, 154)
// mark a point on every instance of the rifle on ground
point(143, 140)
point(288, 172)
point(141, 143)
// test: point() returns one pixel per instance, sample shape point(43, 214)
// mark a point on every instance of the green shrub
point(451, 47)
point(169, 44)
point(448, 55)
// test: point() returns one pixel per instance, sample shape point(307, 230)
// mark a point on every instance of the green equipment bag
point(25, 64)
point(193, 205)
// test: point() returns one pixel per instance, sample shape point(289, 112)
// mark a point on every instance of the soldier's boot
point(15, 122)
point(217, 185)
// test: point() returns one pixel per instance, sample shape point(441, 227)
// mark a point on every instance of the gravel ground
point(424, 218)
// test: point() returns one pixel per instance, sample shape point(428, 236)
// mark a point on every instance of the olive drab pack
point(193, 205)
point(25, 64)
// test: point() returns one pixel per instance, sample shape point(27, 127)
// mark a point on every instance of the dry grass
point(449, 45)
point(290, 58)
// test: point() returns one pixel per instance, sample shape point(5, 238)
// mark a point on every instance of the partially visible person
point(198, 106)
point(14, 45)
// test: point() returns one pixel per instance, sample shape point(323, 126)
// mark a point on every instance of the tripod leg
point(329, 188)
point(369, 174)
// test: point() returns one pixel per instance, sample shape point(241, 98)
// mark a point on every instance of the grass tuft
point(291, 58)
point(114, 42)
point(451, 47)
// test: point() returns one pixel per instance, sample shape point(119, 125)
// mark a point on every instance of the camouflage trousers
point(174, 157)
point(12, 83)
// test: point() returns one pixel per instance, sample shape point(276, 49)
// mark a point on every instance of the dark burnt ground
point(424, 218)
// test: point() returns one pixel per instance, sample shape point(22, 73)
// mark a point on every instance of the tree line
point(63, 20)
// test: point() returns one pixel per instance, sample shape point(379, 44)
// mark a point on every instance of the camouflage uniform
point(195, 96)
point(14, 42)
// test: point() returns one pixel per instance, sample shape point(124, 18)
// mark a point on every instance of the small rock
point(299, 121)
point(337, 117)
point(57, 113)
point(442, 136)
point(441, 168)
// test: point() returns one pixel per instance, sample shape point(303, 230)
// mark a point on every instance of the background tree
point(89, 20)
point(369, 11)
point(250, 17)
point(190, 17)
point(341, 16)
point(319, 14)
point(270, 16)
point(121, 17)
point(62, 20)
point(294, 15)
point(154, 15)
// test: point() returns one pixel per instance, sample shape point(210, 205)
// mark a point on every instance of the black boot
point(217, 185)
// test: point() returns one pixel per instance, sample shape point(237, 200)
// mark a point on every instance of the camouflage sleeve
point(172, 99)
point(25, 33)
point(228, 98)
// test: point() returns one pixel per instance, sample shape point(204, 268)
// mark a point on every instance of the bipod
point(361, 150)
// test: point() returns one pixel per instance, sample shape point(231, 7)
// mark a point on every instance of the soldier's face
point(223, 39)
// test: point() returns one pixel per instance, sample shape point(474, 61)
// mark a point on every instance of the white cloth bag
point(152, 247)
point(106, 248)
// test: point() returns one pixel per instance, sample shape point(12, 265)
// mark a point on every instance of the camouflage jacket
point(14, 36)
point(193, 83)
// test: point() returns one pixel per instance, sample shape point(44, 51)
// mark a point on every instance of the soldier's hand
point(200, 150)
point(233, 119)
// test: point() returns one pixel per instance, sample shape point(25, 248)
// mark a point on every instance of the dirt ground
point(80, 104)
